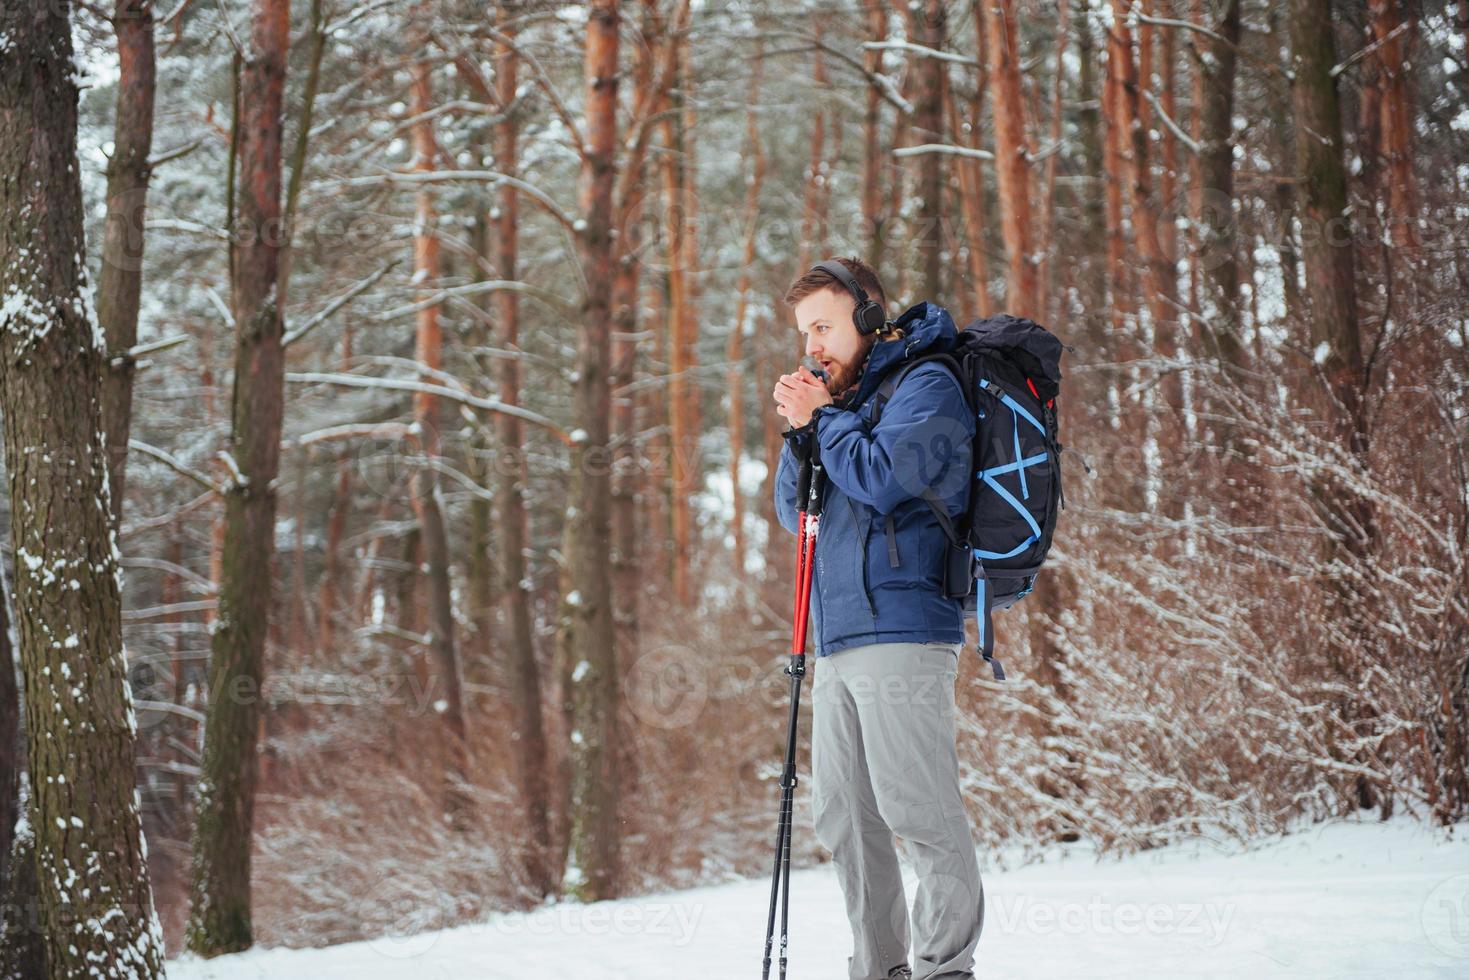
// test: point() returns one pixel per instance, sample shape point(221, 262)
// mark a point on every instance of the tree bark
point(1114, 174)
point(90, 858)
point(971, 193)
point(597, 693)
point(120, 286)
point(425, 494)
point(1329, 256)
point(926, 27)
point(734, 379)
point(532, 758)
point(812, 222)
point(1214, 216)
point(220, 915)
point(329, 603)
point(682, 245)
point(1012, 158)
point(1390, 154)
point(873, 157)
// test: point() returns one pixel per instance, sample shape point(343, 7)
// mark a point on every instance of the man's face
point(825, 319)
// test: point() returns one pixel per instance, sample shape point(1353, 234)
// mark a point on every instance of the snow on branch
point(463, 398)
point(338, 303)
point(949, 148)
point(174, 463)
point(493, 177)
point(920, 50)
point(470, 289)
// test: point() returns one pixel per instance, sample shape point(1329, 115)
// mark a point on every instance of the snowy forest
point(389, 443)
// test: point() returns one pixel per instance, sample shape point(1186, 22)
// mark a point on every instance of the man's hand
point(798, 395)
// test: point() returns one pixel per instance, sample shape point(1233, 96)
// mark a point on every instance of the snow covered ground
point(1337, 900)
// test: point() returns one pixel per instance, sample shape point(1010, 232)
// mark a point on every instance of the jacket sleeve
point(921, 440)
point(787, 470)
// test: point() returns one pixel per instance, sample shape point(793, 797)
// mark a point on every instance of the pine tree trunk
point(120, 286)
point(1214, 217)
point(971, 197)
point(532, 758)
point(734, 379)
point(220, 916)
point(683, 388)
point(1012, 163)
point(812, 241)
point(926, 26)
point(1328, 253)
point(596, 839)
point(425, 494)
point(90, 859)
point(12, 763)
point(22, 945)
point(1114, 176)
point(1389, 81)
point(873, 157)
point(330, 604)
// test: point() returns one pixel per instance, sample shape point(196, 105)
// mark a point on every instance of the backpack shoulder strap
point(884, 393)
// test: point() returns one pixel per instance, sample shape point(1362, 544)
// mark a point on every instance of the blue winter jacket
point(880, 550)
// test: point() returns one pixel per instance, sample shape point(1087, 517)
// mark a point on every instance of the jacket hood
point(929, 330)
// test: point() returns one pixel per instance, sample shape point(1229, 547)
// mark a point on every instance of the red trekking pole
point(809, 488)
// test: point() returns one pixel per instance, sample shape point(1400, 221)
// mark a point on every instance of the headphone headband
point(868, 316)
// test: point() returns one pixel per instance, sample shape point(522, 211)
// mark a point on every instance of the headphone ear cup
point(869, 317)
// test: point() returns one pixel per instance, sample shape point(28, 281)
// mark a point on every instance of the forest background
point(419, 356)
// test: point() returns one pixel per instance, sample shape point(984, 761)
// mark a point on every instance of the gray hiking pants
point(883, 763)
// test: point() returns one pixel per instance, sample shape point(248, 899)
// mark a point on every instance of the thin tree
point(735, 353)
point(596, 836)
point(427, 417)
point(1215, 66)
point(873, 158)
point(1012, 157)
point(128, 171)
point(1335, 332)
point(95, 900)
point(511, 476)
point(926, 26)
point(220, 912)
point(682, 245)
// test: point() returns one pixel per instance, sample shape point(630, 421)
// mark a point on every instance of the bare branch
point(1338, 69)
point(338, 303)
point(920, 50)
point(397, 384)
point(175, 464)
point(449, 176)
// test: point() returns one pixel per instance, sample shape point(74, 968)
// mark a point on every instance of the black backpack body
point(1010, 371)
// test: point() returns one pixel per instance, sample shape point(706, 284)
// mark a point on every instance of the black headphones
point(869, 317)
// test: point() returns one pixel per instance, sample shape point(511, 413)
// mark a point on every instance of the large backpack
point(1010, 371)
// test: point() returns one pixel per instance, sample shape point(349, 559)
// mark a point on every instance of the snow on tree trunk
point(596, 871)
point(427, 416)
point(1335, 330)
point(95, 900)
point(532, 757)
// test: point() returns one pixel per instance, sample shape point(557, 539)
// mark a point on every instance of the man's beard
point(842, 376)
